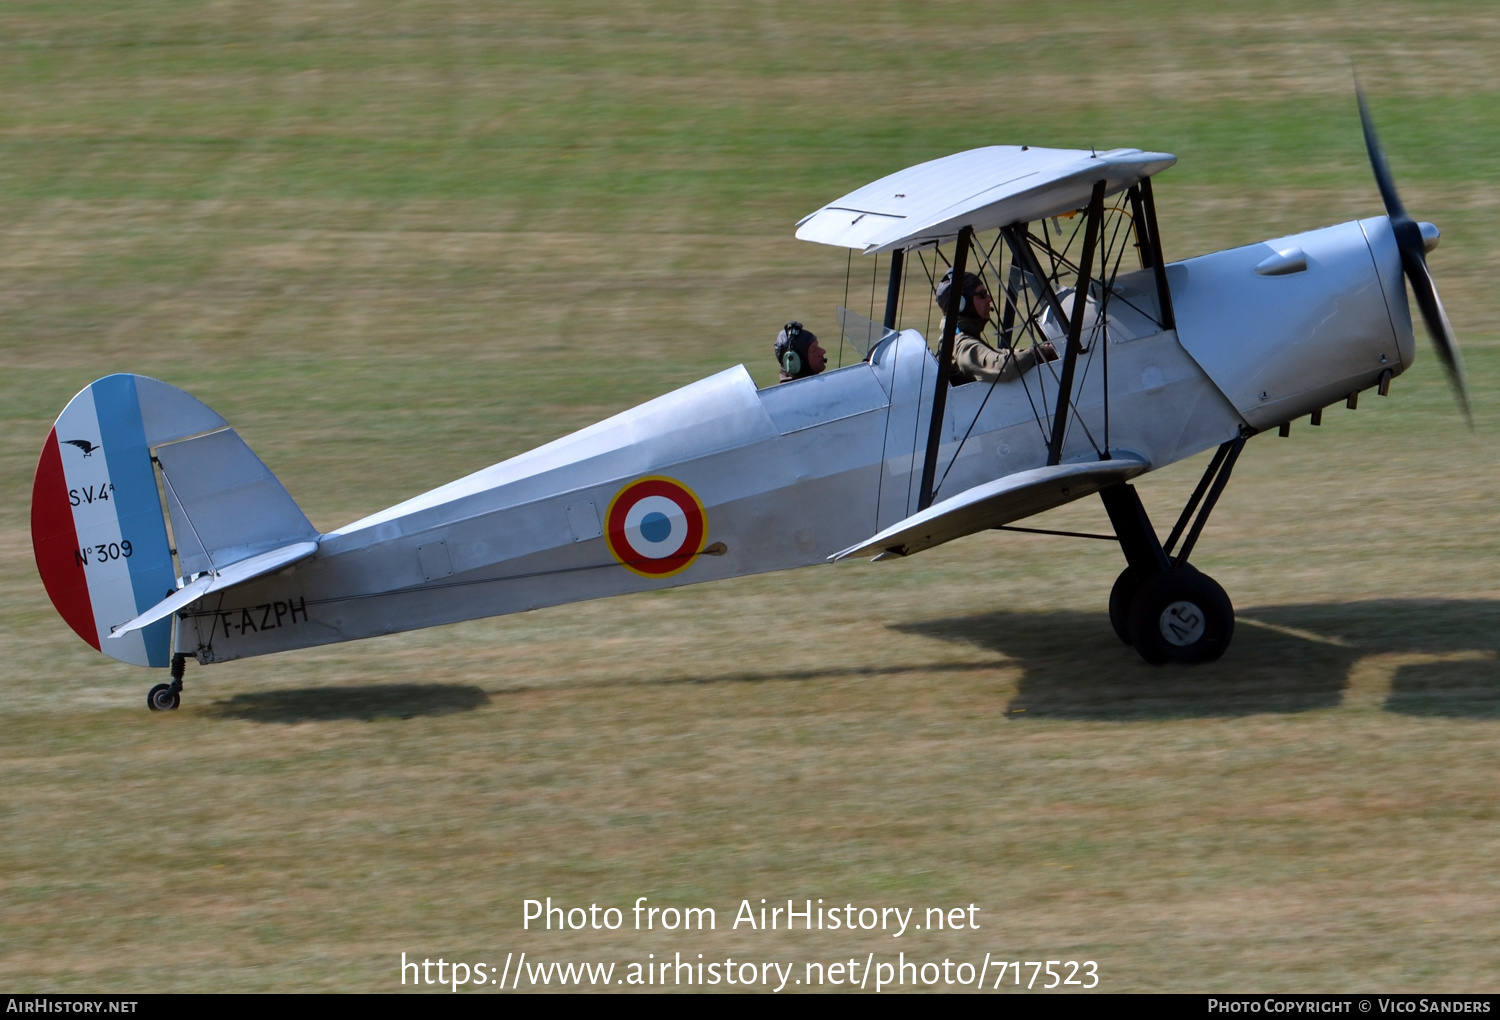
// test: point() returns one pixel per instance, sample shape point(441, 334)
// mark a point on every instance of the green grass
point(396, 243)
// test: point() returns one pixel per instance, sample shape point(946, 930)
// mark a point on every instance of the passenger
point(972, 357)
point(797, 352)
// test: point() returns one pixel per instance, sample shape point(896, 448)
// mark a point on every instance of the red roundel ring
point(655, 527)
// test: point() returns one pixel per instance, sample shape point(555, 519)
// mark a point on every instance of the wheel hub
point(1182, 623)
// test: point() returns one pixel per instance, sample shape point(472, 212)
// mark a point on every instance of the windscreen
point(859, 332)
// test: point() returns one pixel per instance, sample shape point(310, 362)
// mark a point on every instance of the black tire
point(162, 698)
point(1181, 616)
point(1120, 598)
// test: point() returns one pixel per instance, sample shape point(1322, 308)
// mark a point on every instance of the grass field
point(393, 243)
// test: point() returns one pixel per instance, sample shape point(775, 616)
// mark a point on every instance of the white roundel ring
point(655, 527)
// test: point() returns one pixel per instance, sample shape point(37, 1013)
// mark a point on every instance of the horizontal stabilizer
point(995, 503)
point(224, 577)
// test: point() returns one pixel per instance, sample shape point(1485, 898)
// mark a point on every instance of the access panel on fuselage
point(1280, 346)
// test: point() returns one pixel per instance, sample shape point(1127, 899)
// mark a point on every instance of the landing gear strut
point(1161, 605)
point(166, 697)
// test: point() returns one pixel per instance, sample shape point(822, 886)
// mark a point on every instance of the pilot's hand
point(1046, 352)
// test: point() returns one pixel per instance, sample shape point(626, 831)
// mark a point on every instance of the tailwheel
point(1181, 615)
point(166, 697)
point(162, 698)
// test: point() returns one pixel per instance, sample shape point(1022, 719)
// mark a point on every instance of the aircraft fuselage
point(788, 476)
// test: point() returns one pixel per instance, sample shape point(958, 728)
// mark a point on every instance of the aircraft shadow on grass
point(1425, 657)
point(366, 703)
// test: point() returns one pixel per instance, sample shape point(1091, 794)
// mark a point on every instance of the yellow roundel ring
point(655, 527)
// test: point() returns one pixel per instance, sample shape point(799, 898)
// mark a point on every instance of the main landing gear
point(166, 697)
point(1163, 606)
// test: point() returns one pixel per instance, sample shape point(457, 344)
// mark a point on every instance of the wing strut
point(1159, 265)
point(944, 360)
point(1020, 249)
point(1217, 475)
point(893, 288)
point(1075, 324)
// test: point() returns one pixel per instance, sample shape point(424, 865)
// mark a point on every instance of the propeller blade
point(1441, 330)
point(1414, 261)
point(1383, 180)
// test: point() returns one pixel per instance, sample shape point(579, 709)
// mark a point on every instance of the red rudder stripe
point(54, 540)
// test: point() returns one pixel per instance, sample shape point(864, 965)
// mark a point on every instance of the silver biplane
point(159, 534)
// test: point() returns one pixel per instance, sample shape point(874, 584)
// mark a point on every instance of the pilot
point(798, 353)
point(972, 357)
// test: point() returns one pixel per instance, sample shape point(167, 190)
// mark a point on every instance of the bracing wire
point(1059, 262)
point(1028, 326)
point(848, 269)
point(984, 263)
point(932, 289)
point(1067, 264)
point(1078, 224)
point(1115, 218)
point(1046, 240)
point(988, 263)
point(931, 283)
point(922, 380)
point(1120, 221)
point(1117, 223)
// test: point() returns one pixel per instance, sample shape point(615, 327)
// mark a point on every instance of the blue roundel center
point(655, 527)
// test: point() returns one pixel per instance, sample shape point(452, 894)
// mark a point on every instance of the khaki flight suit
point(974, 359)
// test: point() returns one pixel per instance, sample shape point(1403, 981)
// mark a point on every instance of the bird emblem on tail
point(84, 445)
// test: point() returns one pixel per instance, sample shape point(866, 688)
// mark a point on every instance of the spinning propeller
point(1413, 249)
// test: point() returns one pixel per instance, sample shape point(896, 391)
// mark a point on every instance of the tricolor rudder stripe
point(655, 527)
point(97, 526)
point(54, 540)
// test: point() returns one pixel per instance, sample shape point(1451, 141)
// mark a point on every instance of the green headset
point(786, 353)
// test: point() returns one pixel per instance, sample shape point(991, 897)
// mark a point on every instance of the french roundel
point(655, 527)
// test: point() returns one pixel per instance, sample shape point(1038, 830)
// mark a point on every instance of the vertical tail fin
point(98, 526)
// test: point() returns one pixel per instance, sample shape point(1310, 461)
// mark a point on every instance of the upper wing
point(995, 503)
